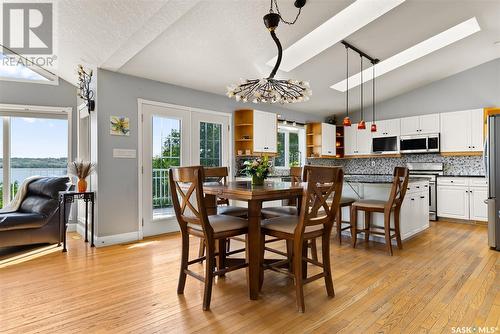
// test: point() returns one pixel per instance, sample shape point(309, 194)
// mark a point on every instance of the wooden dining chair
point(289, 206)
point(315, 221)
point(219, 175)
point(392, 205)
point(186, 186)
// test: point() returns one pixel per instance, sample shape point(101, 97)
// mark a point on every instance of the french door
point(171, 137)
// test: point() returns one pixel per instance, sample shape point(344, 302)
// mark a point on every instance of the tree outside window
point(289, 147)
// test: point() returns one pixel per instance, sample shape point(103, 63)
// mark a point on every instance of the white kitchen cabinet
point(350, 140)
point(462, 131)
point(476, 130)
point(478, 208)
point(328, 139)
point(420, 124)
point(452, 202)
point(357, 142)
point(265, 132)
point(388, 128)
point(462, 198)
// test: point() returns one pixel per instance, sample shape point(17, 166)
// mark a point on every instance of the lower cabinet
point(456, 198)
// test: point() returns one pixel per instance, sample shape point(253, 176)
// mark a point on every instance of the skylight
point(434, 43)
point(335, 29)
point(20, 72)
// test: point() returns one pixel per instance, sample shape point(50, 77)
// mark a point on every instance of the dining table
point(254, 195)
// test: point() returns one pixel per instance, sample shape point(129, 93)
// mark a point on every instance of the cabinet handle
point(451, 181)
point(422, 196)
point(412, 199)
point(426, 186)
point(418, 187)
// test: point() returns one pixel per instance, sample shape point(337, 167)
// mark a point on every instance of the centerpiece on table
point(81, 169)
point(258, 169)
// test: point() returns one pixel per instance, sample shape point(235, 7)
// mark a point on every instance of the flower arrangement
point(81, 169)
point(258, 169)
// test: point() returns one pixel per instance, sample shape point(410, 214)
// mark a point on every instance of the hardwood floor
point(443, 278)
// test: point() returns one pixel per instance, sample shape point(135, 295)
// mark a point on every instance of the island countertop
point(377, 178)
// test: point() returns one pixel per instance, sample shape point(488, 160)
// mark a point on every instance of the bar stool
point(398, 191)
point(344, 202)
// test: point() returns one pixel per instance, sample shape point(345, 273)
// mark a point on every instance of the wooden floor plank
point(444, 277)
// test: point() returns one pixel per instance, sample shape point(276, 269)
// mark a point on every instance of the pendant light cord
point(347, 81)
point(361, 58)
point(280, 54)
point(373, 93)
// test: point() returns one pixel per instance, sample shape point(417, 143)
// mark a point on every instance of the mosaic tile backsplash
point(470, 165)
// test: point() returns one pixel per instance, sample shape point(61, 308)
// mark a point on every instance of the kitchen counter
point(377, 178)
point(457, 175)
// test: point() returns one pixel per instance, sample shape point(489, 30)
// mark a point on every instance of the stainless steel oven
point(419, 143)
point(429, 170)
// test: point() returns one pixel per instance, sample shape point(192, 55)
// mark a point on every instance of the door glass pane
point(293, 144)
point(166, 153)
point(210, 144)
point(280, 158)
point(39, 146)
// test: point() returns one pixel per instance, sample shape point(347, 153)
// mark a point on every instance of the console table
point(66, 197)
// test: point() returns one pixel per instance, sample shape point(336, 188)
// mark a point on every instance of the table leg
point(64, 226)
point(211, 204)
point(253, 250)
point(86, 221)
point(93, 230)
point(60, 224)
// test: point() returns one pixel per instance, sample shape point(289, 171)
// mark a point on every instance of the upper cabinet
point(388, 128)
point(265, 126)
point(462, 131)
point(358, 142)
point(321, 140)
point(328, 140)
point(420, 124)
point(255, 132)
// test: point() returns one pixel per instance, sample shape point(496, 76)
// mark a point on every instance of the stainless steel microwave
point(419, 143)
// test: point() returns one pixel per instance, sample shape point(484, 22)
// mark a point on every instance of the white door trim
point(140, 118)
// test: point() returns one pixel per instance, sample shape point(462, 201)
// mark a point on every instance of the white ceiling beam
point(156, 25)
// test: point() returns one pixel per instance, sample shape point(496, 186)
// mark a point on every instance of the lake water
point(19, 174)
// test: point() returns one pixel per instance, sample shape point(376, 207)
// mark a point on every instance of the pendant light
point(271, 90)
point(347, 120)
point(361, 124)
point(374, 126)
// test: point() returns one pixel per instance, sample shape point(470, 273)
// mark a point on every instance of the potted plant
point(258, 169)
point(81, 169)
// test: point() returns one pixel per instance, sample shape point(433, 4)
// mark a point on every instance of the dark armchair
point(37, 220)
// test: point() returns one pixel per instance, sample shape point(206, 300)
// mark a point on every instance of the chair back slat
point(323, 183)
point(296, 174)
point(399, 187)
point(186, 186)
point(219, 175)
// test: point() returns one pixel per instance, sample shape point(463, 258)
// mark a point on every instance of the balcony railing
point(161, 191)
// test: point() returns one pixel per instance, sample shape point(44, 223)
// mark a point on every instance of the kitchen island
point(414, 210)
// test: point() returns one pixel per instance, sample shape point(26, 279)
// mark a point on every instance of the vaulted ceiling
point(208, 45)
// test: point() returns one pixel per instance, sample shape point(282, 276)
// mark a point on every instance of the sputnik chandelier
point(271, 90)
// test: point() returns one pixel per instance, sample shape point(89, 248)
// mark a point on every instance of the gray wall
point(62, 95)
point(478, 87)
point(117, 94)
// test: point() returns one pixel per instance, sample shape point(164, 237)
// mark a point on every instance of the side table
point(66, 197)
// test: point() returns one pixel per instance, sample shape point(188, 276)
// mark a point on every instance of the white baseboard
point(105, 240)
point(117, 239)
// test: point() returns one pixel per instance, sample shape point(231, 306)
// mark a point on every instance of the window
point(210, 144)
point(16, 68)
point(291, 142)
point(37, 142)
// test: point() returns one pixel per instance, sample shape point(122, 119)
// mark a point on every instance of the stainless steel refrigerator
point(492, 165)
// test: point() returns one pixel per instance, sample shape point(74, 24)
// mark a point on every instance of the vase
point(257, 180)
point(82, 185)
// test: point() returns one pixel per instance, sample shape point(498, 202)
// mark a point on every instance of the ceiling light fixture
point(434, 43)
point(343, 24)
point(270, 90)
point(374, 125)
